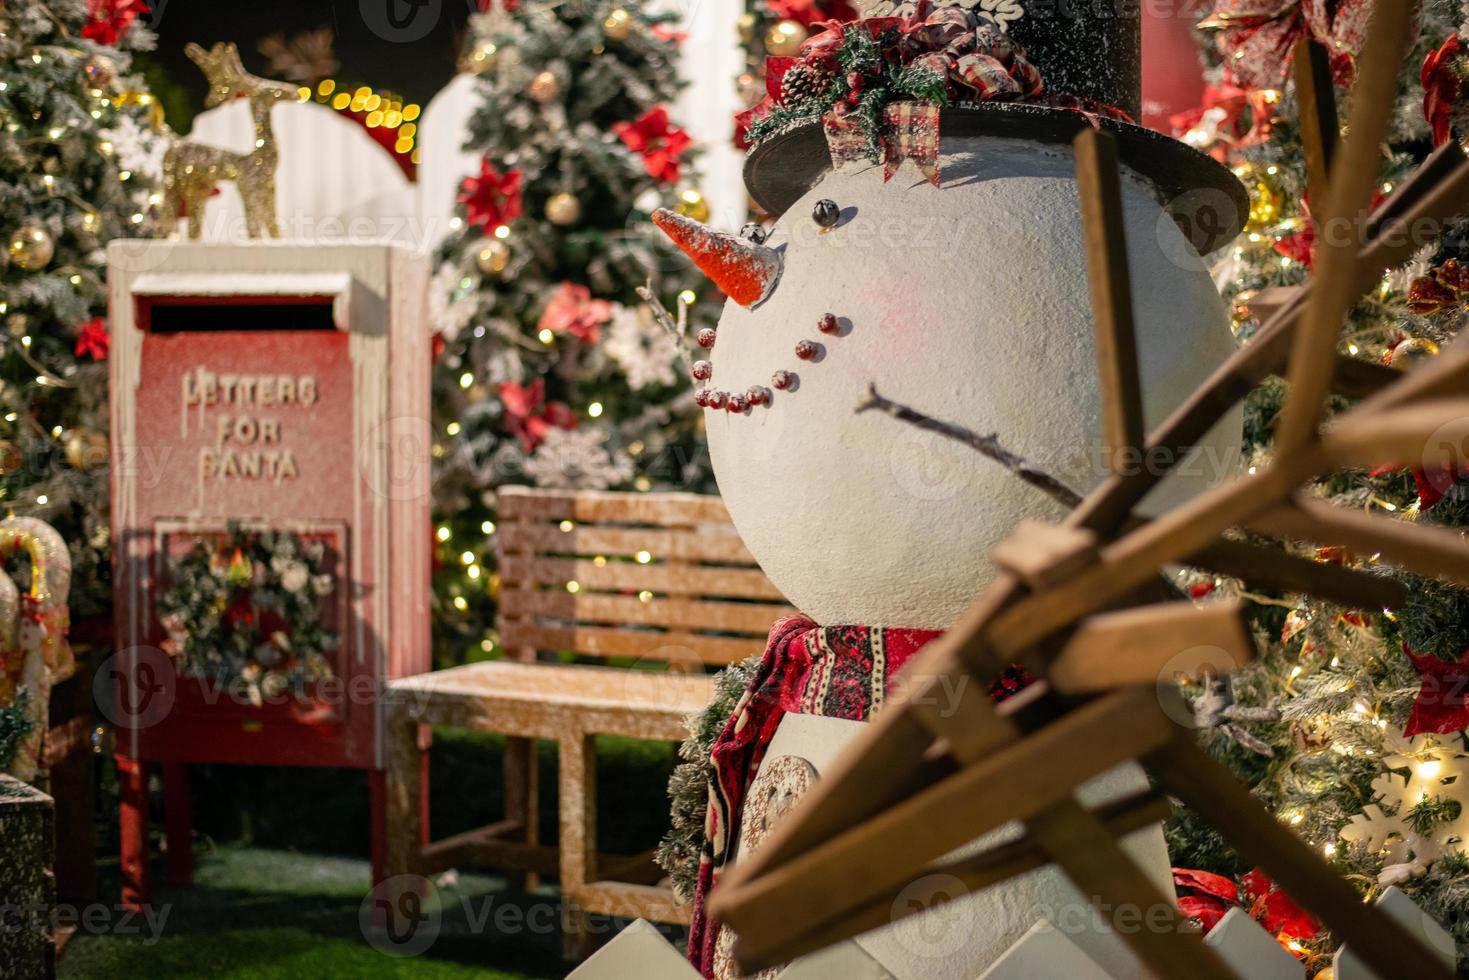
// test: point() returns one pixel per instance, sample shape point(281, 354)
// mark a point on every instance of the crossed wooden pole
point(1083, 607)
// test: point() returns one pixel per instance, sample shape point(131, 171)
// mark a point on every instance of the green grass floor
point(256, 913)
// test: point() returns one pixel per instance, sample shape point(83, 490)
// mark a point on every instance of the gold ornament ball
point(750, 88)
point(784, 40)
point(18, 324)
point(692, 204)
point(1265, 198)
point(545, 87)
point(10, 458)
point(746, 25)
point(31, 247)
point(618, 25)
point(493, 256)
point(86, 450)
point(1411, 352)
point(563, 209)
point(1329, 973)
point(482, 57)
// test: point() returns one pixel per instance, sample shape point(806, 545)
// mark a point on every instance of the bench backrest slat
point(652, 576)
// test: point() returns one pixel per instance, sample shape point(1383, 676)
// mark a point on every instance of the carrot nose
point(744, 271)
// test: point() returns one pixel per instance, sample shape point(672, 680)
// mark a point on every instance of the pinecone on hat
point(803, 82)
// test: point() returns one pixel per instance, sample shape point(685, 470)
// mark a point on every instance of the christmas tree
point(1351, 726)
point(81, 150)
point(553, 370)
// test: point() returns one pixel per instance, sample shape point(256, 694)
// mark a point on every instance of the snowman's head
point(968, 302)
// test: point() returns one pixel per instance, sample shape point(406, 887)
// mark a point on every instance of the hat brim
point(1208, 203)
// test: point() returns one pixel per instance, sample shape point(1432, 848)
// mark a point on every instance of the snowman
point(934, 254)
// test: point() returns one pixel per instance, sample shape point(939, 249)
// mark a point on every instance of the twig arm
point(988, 446)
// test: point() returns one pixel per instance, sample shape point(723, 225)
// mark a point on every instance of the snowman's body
point(968, 302)
point(959, 940)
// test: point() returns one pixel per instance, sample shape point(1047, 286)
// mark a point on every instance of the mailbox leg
point(377, 806)
point(178, 825)
point(132, 785)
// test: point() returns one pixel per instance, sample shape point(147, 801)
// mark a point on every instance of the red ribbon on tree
point(1444, 72)
point(1257, 38)
point(1212, 896)
point(1230, 117)
point(1442, 706)
point(93, 339)
point(1440, 289)
point(491, 199)
point(1300, 246)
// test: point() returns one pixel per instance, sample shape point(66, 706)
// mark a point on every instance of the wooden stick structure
point(1316, 102)
point(1079, 605)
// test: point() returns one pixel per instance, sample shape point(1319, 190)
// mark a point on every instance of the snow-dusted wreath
point(244, 609)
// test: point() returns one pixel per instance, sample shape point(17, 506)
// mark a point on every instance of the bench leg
point(577, 767)
point(401, 800)
point(178, 825)
point(522, 802)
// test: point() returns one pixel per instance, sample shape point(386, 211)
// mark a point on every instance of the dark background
point(407, 47)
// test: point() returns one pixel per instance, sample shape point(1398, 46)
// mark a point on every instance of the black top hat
point(1088, 53)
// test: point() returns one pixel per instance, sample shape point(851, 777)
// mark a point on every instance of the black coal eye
point(826, 213)
point(754, 232)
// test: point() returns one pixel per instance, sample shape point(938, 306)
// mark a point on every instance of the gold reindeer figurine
point(191, 171)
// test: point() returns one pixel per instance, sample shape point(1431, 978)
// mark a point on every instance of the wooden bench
point(660, 580)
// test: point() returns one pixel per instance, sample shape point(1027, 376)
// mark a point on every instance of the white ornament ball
point(967, 302)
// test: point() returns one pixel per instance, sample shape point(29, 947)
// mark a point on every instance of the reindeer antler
point(227, 76)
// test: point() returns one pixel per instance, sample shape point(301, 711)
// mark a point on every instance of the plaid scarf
point(833, 671)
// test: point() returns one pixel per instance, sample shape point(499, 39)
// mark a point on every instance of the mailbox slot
point(197, 314)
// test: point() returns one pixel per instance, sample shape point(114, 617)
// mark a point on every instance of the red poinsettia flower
point(109, 20)
point(509, 6)
point(492, 198)
point(660, 143)
point(529, 417)
point(1443, 75)
point(93, 339)
point(572, 310)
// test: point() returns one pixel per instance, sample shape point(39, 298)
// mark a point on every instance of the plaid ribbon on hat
point(909, 131)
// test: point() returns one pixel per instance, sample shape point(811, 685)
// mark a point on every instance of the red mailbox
point(270, 506)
